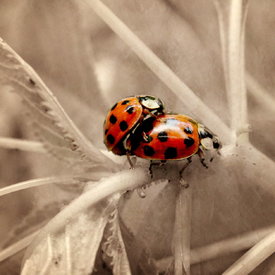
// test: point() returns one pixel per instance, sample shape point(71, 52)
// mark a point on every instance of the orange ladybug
point(171, 137)
point(124, 117)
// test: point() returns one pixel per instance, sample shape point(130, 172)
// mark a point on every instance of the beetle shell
point(166, 137)
point(123, 116)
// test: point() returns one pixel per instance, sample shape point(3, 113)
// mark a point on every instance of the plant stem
point(16, 247)
point(182, 230)
point(162, 71)
point(255, 256)
point(232, 17)
point(24, 145)
point(231, 245)
point(38, 182)
point(224, 247)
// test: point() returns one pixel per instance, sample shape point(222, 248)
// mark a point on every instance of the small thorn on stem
point(141, 192)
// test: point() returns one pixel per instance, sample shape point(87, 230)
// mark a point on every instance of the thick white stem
point(182, 230)
point(121, 181)
point(254, 257)
point(232, 17)
point(223, 247)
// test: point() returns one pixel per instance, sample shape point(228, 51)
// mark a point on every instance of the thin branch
point(182, 230)
point(16, 247)
point(232, 17)
point(162, 71)
point(24, 145)
point(231, 245)
point(224, 247)
point(35, 146)
point(254, 257)
point(38, 182)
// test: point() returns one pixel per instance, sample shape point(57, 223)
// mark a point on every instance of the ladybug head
point(207, 139)
point(153, 104)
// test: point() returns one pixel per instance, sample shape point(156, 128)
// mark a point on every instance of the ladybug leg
point(149, 113)
point(129, 159)
point(202, 159)
point(189, 160)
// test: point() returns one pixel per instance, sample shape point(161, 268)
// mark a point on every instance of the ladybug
point(124, 117)
point(172, 137)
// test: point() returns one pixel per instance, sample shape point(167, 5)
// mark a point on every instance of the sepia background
point(88, 68)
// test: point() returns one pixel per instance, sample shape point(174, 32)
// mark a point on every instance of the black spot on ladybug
point(114, 107)
point(170, 153)
point(162, 136)
point(130, 109)
point(112, 119)
point(125, 102)
point(110, 139)
point(148, 151)
point(188, 130)
point(189, 141)
point(123, 125)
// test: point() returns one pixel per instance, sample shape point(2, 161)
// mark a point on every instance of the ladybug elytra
point(124, 116)
point(172, 137)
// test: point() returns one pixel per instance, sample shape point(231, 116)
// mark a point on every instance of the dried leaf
point(113, 247)
point(59, 134)
point(73, 250)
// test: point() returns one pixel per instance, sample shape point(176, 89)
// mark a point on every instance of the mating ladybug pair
point(139, 126)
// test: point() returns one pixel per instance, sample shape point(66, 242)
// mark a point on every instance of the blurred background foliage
point(88, 68)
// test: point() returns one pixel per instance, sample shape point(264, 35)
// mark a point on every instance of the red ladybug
point(171, 137)
point(124, 117)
